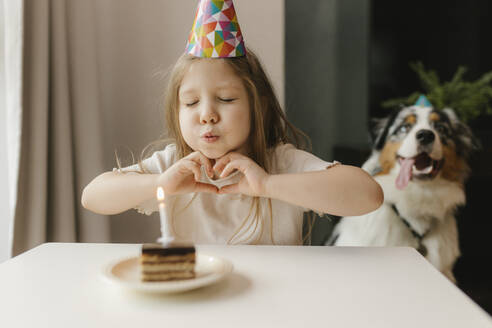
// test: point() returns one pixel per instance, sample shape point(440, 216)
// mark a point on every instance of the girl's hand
point(184, 176)
point(252, 183)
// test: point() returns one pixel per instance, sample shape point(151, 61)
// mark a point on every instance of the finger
point(205, 161)
point(227, 158)
point(230, 189)
point(222, 162)
point(234, 165)
point(206, 187)
point(201, 159)
point(194, 168)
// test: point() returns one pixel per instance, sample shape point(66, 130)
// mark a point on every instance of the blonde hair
point(269, 124)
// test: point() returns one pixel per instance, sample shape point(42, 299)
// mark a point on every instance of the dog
point(420, 157)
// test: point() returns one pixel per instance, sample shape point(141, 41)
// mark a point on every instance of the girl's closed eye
point(191, 103)
point(226, 99)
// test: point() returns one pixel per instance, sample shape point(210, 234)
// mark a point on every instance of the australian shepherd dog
point(420, 158)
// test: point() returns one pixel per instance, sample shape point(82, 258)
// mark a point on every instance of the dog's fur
point(428, 201)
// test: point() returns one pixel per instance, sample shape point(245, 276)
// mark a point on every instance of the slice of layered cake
point(170, 262)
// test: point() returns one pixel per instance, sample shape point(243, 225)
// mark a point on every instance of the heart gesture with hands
point(184, 175)
point(254, 177)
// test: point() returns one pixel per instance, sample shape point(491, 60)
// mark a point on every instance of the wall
point(138, 43)
point(327, 46)
point(4, 199)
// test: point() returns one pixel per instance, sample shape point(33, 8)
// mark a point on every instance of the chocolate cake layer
point(171, 250)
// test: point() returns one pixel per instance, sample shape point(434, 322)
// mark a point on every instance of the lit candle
point(166, 235)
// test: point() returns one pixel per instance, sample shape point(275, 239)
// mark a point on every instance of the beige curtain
point(61, 146)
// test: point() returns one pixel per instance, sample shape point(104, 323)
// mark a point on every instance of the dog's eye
point(403, 129)
point(441, 129)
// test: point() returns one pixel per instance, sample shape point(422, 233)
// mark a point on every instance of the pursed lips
point(210, 137)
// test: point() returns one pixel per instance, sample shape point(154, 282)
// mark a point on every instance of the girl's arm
point(340, 190)
point(116, 192)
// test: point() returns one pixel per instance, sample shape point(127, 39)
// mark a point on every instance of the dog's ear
point(376, 126)
point(466, 142)
point(379, 129)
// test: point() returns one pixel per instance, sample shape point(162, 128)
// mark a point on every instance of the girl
point(232, 174)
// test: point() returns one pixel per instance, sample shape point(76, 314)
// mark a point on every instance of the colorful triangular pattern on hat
point(423, 102)
point(216, 32)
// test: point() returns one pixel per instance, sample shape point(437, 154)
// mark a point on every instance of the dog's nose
point(425, 137)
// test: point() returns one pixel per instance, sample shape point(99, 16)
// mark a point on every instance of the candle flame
point(160, 194)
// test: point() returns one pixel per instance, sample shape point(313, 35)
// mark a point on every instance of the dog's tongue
point(405, 173)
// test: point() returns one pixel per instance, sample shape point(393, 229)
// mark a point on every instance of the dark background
point(443, 35)
point(357, 55)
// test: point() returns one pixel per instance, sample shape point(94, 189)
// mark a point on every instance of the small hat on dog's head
point(215, 32)
point(423, 102)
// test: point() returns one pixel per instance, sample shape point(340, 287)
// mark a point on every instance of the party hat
point(215, 32)
point(423, 102)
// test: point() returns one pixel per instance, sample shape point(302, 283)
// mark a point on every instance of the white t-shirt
point(208, 218)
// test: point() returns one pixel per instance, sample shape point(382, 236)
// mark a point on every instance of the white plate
point(126, 273)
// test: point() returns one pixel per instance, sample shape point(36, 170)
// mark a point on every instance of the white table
point(59, 285)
